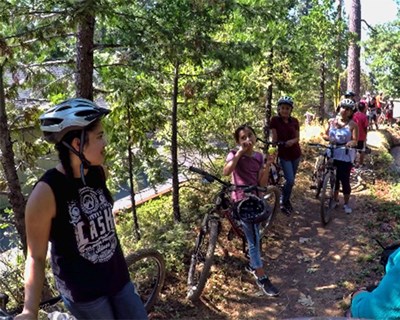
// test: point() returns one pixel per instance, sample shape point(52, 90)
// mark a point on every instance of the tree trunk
point(174, 147)
point(322, 90)
point(338, 52)
point(353, 68)
point(84, 60)
point(15, 196)
point(268, 99)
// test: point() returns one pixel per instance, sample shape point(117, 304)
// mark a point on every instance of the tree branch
point(368, 25)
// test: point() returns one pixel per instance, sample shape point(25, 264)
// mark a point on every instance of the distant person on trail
point(362, 121)
point(248, 167)
point(372, 113)
point(368, 97)
point(309, 117)
point(379, 102)
point(343, 131)
point(383, 302)
point(71, 207)
point(389, 111)
point(285, 128)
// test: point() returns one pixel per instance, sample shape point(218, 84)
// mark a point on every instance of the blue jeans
point(126, 304)
point(252, 233)
point(289, 168)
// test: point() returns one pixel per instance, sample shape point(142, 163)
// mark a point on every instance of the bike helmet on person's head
point(349, 94)
point(285, 100)
point(252, 209)
point(69, 115)
point(348, 104)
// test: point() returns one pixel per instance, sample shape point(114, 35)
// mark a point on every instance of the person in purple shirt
point(286, 129)
point(247, 167)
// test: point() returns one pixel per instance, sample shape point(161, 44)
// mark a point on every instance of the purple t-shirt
point(285, 132)
point(246, 171)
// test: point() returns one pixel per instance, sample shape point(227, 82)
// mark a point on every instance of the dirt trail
point(315, 267)
point(309, 263)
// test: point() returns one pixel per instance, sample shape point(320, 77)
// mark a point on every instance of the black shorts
point(360, 144)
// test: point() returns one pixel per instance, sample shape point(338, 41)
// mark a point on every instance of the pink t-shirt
point(362, 121)
point(246, 171)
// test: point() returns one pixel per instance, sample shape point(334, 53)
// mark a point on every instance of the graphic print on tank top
point(95, 236)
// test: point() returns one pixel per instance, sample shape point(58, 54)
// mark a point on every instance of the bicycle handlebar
point(331, 146)
point(269, 143)
point(211, 178)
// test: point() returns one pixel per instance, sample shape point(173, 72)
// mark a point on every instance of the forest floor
point(315, 267)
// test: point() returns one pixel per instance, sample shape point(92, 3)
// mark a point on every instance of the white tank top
point(341, 136)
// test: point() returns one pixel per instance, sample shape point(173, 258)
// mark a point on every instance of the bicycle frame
point(326, 182)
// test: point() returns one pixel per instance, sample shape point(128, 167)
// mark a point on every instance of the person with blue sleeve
point(383, 302)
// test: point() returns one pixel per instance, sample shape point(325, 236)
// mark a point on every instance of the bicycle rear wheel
point(327, 197)
point(202, 258)
point(271, 198)
point(147, 271)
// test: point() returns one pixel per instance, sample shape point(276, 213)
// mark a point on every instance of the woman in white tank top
point(342, 130)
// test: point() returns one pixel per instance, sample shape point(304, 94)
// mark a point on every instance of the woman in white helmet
point(71, 207)
point(343, 131)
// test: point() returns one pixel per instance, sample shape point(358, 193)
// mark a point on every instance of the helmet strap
point(84, 162)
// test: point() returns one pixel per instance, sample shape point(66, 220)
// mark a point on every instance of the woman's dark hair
point(243, 127)
point(64, 152)
point(361, 106)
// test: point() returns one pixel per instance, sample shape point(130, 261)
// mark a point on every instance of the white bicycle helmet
point(69, 115)
point(348, 103)
point(252, 209)
point(285, 100)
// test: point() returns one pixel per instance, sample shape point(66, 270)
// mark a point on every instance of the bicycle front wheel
point(147, 271)
point(327, 197)
point(318, 175)
point(202, 258)
point(271, 199)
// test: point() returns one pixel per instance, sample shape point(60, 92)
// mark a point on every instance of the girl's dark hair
point(361, 106)
point(64, 152)
point(240, 128)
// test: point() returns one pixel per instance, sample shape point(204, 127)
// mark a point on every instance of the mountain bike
point(147, 271)
point(324, 177)
point(362, 176)
point(203, 254)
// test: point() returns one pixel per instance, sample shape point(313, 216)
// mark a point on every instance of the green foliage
point(11, 276)
point(383, 57)
point(158, 229)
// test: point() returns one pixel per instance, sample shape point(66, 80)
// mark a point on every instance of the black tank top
point(86, 255)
